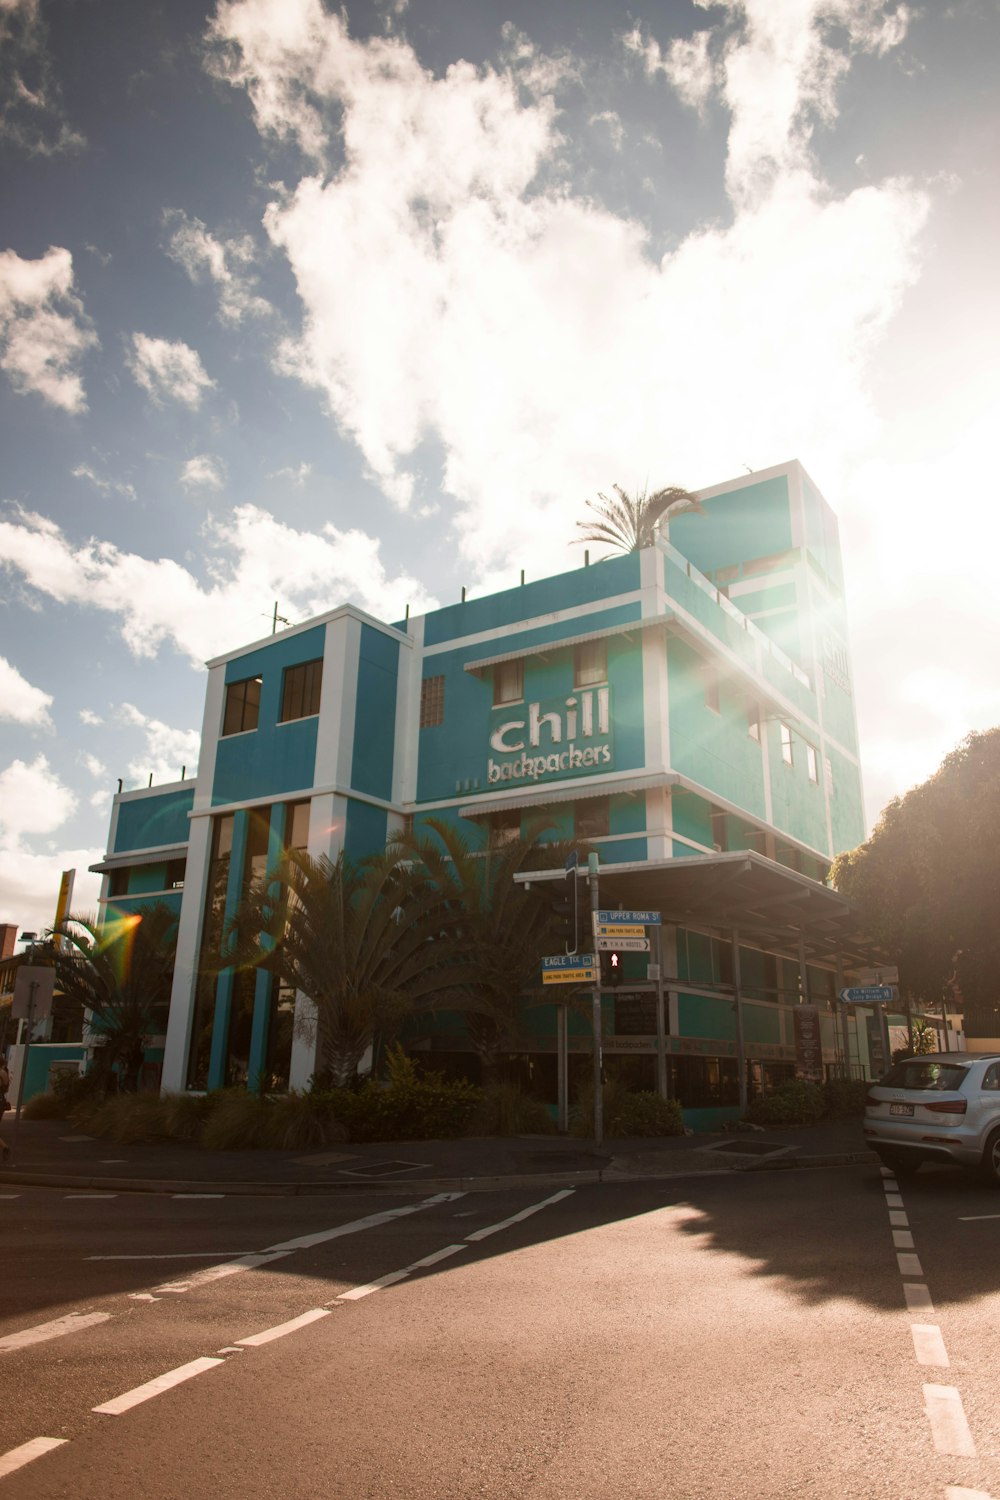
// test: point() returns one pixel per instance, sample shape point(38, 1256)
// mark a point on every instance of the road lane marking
point(898, 1218)
point(373, 1221)
point(918, 1298)
point(8, 1197)
point(16, 1458)
point(280, 1329)
point(90, 1195)
point(228, 1268)
point(197, 1195)
point(891, 1185)
point(893, 1200)
point(975, 1219)
point(946, 1414)
point(928, 1345)
point(177, 1255)
point(42, 1332)
point(482, 1234)
point(902, 1239)
point(908, 1264)
point(960, 1492)
point(113, 1161)
point(391, 1277)
point(76, 1137)
point(158, 1386)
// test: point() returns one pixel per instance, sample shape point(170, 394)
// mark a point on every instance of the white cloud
point(100, 801)
point(226, 263)
point(450, 295)
point(31, 112)
point(255, 560)
point(298, 475)
point(167, 751)
point(20, 702)
point(43, 329)
point(88, 716)
point(96, 767)
point(168, 370)
point(614, 126)
point(205, 472)
point(34, 803)
point(105, 486)
point(687, 63)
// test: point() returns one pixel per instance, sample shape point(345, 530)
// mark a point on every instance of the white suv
point(944, 1107)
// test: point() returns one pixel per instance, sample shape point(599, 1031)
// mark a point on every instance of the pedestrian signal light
point(611, 968)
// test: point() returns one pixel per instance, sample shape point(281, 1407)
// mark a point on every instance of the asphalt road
point(701, 1339)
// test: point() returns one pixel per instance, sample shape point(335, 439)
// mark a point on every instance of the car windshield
point(924, 1073)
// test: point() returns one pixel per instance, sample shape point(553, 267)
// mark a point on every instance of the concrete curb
point(600, 1176)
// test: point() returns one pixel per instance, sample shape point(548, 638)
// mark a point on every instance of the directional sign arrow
point(868, 994)
point(622, 945)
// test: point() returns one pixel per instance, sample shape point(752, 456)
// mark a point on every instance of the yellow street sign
point(612, 930)
point(569, 976)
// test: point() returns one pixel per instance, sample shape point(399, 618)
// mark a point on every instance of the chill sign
point(555, 737)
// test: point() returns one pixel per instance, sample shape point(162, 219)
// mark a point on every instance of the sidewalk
point(49, 1153)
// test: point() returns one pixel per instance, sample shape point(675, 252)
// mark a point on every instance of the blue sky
point(301, 306)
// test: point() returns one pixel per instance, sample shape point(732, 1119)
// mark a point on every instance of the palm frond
point(628, 523)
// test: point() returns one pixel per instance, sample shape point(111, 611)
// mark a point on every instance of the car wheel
point(900, 1166)
point(991, 1159)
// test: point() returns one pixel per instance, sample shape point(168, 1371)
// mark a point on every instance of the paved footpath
point(53, 1153)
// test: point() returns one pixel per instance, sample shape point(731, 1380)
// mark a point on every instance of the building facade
point(689, 702)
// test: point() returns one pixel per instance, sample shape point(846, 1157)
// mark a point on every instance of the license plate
point(901, 1109)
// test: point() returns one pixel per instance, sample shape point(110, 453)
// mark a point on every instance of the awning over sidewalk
point(769, 904)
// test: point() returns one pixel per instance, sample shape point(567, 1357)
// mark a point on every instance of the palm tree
point(367, 943)
point(629, 524)
point(121, 971)
point(501, 929)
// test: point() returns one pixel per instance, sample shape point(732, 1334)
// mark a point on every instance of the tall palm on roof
point(628, 523)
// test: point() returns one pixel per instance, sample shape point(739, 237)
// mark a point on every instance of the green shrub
point(236, 1121)
point(646, 1114)
point(794, 1102)
point(184, 1115)
point(44, 1107)
point(505, 1109)
point(125, 1118)
point(301, 1122)
point(845, 1097)
point(626, 1113)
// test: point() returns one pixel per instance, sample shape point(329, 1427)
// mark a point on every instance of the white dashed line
point(928, 1345)
point(197, 1195)
point(909, 1265)
point(178, 1255)
point(56, 1329)
point(8, 1197)
point(918, 1298)
point(157, 1387)
point(373, 1221)
point(897, 1218)
point(946, 1414)
point(893, 1200)
point(391, 1277)
point(90, 1196)
point(902, 1239)
point(279, 1331)
point(16, 1458)
point(482, 1234)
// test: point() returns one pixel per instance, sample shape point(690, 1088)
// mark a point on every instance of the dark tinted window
point(242, 706)
point(925, 1073)
point(300, 691)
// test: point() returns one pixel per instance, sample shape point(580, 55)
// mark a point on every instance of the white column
point(182, 995)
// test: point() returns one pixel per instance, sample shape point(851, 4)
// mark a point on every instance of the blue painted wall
point(375, 713)
point(274, 758)
point(616, 575)
point(159, 818)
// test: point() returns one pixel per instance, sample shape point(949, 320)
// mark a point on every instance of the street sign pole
point(28, 1024)
point(593, 864)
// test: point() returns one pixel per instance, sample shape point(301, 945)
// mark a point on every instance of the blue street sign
point(628, 918)
point(868, 994)
point(569, 961)
point(571, 861)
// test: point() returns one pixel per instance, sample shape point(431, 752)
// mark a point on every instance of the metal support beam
point(741, 1054)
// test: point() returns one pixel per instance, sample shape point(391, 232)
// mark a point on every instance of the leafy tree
point(503, 930)
point(926, 882)
point(367, 943)
point(120, 970)
point(629, 523)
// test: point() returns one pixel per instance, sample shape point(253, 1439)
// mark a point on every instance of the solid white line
point(902, 1239)
point(928, 1345)
point(909, 1265)
point(946, 1414)
point(482, 1234)
point(197, 1195)
point(8, 1197)
point(155, 1387)
point(89, 1195)
point(391, 1277)
point(918, 1298)
point(975, 1219)
point(54, 1330)
point(216, 1273)
point(16, 1458)
point(280, 1329)
point(898, 1218)
point(306, 1241)
point(177, 1255)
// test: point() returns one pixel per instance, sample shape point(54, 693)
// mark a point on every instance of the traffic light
point(564, 914)
point(611, 970)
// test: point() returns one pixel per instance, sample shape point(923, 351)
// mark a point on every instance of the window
point(505, 828)
point(297, 826)
point(786, 744)
point(242, 706)
point(508, 682)
point(720, 832)
point(590, 663)
point(753, 721)
point(300, 691)
point(592, 819)
point(118, 883)
point(712, 690)
point(991, 1078)
point(812, 764)
point(431, 702)
point(175, 874)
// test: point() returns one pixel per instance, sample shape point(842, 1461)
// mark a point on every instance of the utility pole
point(595, 903)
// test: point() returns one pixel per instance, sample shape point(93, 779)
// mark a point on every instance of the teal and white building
point(686, 709)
